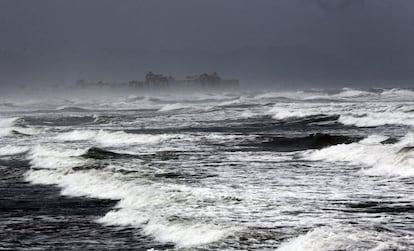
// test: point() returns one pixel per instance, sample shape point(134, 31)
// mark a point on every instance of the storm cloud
point(338, 5)
point(319, 43)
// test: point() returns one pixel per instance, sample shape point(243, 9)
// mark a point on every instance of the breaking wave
point(348, 114)
point(355, 93)
point(14, 126)
point(173, 107)
point(378, 119)
point(343, 95)
point(71, 109)
point(345, 238)
point(55, 158)
point(13, 150)
point(156, 208)
point(112, 138)
point(383, 159)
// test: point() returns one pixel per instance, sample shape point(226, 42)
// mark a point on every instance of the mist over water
point(207, 125)
point(295, 170)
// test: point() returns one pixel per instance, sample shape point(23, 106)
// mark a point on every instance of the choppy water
point(316, 170)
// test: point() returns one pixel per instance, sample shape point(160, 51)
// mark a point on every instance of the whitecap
point(55, 158)
point(173, 107)
point(13, 150)
point(113, 138)
point(148, 206)
point(7, 126)
point(381, 159)
point(347, 93)
point(343, 238)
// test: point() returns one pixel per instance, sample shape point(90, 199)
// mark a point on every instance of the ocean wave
point(9, 122)
point(398, 94)
point(282, 113)
point(16, 127)
point(98, 153)
point(153, 207)
point(71, 109)
point(371, 119)
point(8, 126)
point(381, 159)
point(183, 235)
point(347, 93)
point(173, 107)
point(345, 238)
point(112, 138)
point(13, 150)
point(342, 95)
point(312, 141)
point(360, 115)
point(56, 158)
point(294, 96)
point(378, 94)
point(193, 98)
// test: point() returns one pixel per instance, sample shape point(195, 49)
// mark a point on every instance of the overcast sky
point(325, 41)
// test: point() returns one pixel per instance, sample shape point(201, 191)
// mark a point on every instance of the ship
point(154, 81)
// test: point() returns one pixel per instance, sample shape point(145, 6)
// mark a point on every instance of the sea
point(311, 170)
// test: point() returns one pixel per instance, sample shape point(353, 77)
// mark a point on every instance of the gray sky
point(306, 43)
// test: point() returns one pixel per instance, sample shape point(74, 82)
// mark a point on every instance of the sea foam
point(12, 150)
point(355, 114)
point(381, 159)
point(343, 238)
point(7, 126)
point(112, 138)
point(173, 107)
point(55, 158)
point(151, 207)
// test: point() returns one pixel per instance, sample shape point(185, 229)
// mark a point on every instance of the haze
point(264, 43)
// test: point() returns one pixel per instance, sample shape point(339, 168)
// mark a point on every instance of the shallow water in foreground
point(312, 170)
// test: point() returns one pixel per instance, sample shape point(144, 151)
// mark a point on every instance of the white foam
point(77, 135)
point(173, 107)
point(231, 102)
point(361, 115)
point(70, 108)
point(286, 112)
point(9, 126)
point(28, 130)
point(354, 93)
point(12, 150)
point(378, 119)
point(55, 158)
point(6, 126)
point(142, 204)
point(113, 138)
point(184, 235)
point(294, 95)
point(342, 238)
point(5, 132)
point(397, 94)
point(384, 159)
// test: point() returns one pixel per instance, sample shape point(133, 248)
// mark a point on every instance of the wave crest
point(382, 159)
point(344, 238)
point(112, 138)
